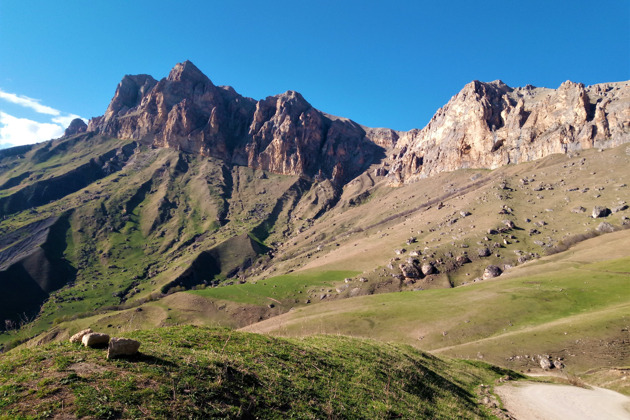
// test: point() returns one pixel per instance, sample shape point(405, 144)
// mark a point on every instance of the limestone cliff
point(488, 125)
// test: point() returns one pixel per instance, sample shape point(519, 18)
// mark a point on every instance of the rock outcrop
point(77, 126)
point(282, 134)
point(488, 125)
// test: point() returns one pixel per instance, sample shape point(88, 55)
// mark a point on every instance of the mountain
point(283, 134)
point(187, 203)
point(486, 125)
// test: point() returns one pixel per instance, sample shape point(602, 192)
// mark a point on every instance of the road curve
point(534, 401)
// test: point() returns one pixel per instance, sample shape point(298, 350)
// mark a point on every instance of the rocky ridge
point(283, 134)
point(486, 125)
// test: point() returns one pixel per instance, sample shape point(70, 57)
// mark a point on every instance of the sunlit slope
point(574, 304)
point(196, 372)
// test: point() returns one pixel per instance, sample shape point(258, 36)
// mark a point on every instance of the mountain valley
point(498, 233)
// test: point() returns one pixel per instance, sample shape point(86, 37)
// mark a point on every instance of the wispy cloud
point(27, 102)
point(19, 131)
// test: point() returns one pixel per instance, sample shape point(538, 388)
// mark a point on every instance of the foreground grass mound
point(195, 372)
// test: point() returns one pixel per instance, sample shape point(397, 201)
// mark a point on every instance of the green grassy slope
point(192, 372)
point(574, 304)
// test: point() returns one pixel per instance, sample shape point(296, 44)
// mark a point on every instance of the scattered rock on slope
point(121, 347)
point(600, 211)
point(95, 339)
point(491, 271)
point(78, 337)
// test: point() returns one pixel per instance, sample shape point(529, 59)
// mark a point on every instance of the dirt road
point(533, 401)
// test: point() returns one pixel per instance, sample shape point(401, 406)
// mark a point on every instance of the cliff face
point(282, 134)
point(486, 125)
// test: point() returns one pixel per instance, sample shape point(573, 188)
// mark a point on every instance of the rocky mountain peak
point(188, 72)
point(487, 125)
point(129, 93)
point(282, 133)
point(76, 126)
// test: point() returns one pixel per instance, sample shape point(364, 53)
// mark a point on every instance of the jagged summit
point(76, 126)
point(485, 125)
point(187, 71)
point(281, 133)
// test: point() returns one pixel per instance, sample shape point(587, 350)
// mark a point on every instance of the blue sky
point(381, 63)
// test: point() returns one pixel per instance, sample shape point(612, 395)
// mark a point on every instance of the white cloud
point(19, 131)
point(27, 102)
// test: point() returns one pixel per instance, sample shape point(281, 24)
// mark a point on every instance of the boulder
point(79, 336)
point(557, 364)
point(491, 271)
point(122, 347)
point(483, 252)
point(600, 211)
point(410, 271)
point(463, 259)
point(605, 227)
point(428, 268)
point(545, 362)
point(95, 339)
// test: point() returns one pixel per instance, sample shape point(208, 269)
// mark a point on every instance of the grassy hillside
point(574, 305)
point(192, 372)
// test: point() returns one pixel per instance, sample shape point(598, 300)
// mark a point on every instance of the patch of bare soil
point(83, 369)
point(533, 401)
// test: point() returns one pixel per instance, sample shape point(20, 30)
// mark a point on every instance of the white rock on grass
point(122, 347)
point(78, 336)
point(95, 339)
